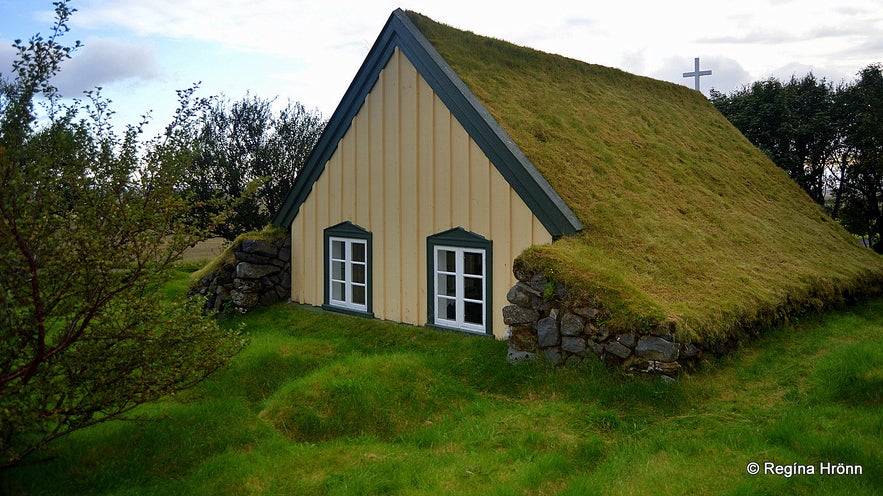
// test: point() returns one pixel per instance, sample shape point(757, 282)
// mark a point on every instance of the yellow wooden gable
point(415, 202)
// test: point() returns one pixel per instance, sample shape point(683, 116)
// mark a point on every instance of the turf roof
point(685, 222)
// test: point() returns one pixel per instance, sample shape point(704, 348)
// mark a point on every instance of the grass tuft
point(363, 396)
point(851, 373)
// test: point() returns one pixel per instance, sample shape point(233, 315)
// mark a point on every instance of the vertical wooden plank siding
point(297, 260)
point(478, 201)
point(425, 188)
point(405, 170)
point(390, 203)
point(504, 250)
point(520, 222)
point(335, 181)
point(441, 166)
point(376, 221)
point(363, 171)
point(410, 207)
point(460, 175)
point(348, 177)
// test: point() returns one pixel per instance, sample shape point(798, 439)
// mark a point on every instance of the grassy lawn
point(329, 404)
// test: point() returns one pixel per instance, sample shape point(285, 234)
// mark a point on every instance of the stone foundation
point(542, 324)
point(258, 275)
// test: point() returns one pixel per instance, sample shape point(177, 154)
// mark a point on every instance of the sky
point(308, 51)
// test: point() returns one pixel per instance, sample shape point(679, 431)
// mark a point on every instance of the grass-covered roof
point(686, 222)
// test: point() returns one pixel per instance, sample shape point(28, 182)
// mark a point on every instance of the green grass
point(685, 221)
point(328, 404)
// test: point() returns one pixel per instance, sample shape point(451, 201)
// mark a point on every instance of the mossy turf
point(685, 221)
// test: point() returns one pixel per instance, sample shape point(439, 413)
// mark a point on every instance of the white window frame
point(347, 303)
point(459, 299)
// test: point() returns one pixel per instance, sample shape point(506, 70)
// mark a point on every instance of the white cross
point(697, 73)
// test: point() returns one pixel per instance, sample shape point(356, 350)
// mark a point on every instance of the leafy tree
point(90, 224)
point(793, 123)
point(862, 145)
point(813, 132)
point(247, 154)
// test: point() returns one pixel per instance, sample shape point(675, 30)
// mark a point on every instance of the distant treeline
point(828, 138)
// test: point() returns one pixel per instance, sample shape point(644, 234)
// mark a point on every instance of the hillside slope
point(686, 222)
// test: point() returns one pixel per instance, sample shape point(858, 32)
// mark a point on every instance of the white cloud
point(7, 55)
point(798, 70)
point(727, 74)
point(100, 62)
point(281, 27)
point(318, 45)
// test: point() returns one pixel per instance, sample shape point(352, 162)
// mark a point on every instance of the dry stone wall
point(259, 274)
point(541, 323)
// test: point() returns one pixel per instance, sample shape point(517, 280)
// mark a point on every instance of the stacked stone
point(259, 275)
point(541, 323)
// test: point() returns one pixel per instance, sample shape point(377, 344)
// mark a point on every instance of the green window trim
point(349, 235)
point(461, 242)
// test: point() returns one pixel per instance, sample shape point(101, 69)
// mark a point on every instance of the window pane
point(447, 285)
point(338, 291)
point(358, 273)
point(473, 313)
point(359, 295)
point(338, 250)
point(472, 263)
point(338, 271)
point(447, 308)
point(446, 261)
point(358, 252)
point(472, 288)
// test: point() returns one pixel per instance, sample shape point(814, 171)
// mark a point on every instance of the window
point(348, 268)
point(460, 285)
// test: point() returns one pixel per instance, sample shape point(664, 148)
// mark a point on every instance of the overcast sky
point(140, 51)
